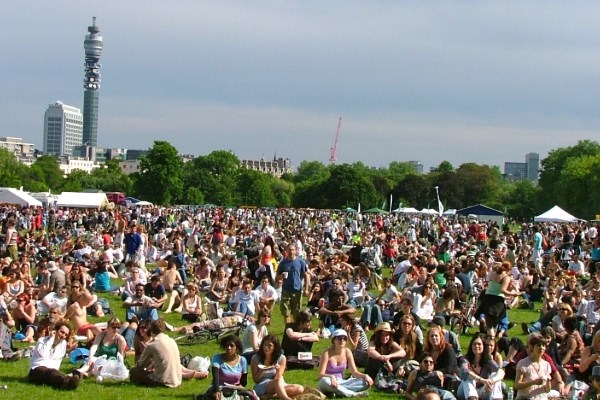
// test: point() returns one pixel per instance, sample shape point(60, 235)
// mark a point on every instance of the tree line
point(568, 178)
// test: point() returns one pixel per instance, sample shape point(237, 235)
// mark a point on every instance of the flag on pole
point(358, 211)
point(440, 205)
point(391, 202)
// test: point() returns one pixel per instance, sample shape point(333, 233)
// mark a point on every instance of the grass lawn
point(14, 374)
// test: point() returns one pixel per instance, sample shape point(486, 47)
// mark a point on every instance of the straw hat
point(384, 326)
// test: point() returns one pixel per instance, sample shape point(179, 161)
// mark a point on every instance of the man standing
point(293, 270)
point(46, 358)
point(132, 241)
point(163, 354)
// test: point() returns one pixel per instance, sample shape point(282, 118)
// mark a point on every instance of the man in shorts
point(292, 269)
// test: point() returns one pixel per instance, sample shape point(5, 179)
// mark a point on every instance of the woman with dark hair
point(424, 376)
point(299, 337)
point(268, 367)
point(481, 377)
point(407, 339)
point(383, 351)
point(572, 346)
point(229, 370)
point(255, 333)
point(492, 308)
point(357, 338)
point(316, 298)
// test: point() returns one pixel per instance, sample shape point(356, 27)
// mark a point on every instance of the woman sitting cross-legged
point(268, 366)
point(481, 377)
point(108, 343)
point(229, 371)
point(334, 361)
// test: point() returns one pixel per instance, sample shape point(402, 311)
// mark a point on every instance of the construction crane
point(333, 151)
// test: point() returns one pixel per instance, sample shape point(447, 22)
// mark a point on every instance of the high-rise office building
point(63, 129)
point(533, 166)
point(93, 49)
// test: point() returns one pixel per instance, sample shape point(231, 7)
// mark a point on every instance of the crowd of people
point(390, 292)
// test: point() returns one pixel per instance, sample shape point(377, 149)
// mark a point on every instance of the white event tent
point(82, 200)
point(15, 196)
point(556, 214)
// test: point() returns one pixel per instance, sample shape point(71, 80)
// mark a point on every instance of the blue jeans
point(371, 314)
point(145, 313)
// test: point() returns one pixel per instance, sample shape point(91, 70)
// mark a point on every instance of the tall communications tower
point(93, 49)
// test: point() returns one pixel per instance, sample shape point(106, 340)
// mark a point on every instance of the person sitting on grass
point(77, 314)
point(140, 306)
point(191, 303)
point(49, 351)
point(334, 362)
point(268, 367)
point(229, 371)
point(108, 343)
point(160, 363)
point(298, 337)
point(383, 351)
point(254, 334)
point(143, 337)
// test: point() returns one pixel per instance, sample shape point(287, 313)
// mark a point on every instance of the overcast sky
point(460, 81)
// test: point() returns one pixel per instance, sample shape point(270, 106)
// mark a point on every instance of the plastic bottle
point(511, 394)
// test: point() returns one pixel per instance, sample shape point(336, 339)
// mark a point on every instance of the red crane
point(332, 153)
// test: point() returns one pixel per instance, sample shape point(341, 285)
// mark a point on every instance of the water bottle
point(511, 394)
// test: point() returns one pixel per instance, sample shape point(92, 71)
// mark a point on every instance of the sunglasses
point(428, 362)
point(564, 309)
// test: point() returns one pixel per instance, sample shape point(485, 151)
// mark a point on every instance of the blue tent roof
point(479, 209)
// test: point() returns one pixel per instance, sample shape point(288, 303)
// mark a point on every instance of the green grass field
point(14, 374)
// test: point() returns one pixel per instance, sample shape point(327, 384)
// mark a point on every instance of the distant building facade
point(518, 171)
point(277, 167)
point(69, 164)
point(63, 129)
point(25, 152)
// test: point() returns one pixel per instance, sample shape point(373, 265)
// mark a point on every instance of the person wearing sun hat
point(383, 350)
point(334, 362)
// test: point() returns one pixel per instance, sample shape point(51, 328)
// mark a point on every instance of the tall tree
point(254, 188)
point(49, 166)
point(553, 165)
point(11, 170)
point(161, 178)
point(216, 176)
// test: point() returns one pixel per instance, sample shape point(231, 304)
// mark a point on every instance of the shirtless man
point(77, 314)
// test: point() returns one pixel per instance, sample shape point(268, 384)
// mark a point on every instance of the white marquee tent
point(82, 200)
point(556, 214)
point(15, 196)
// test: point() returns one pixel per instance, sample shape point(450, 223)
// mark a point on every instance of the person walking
point(292, 269)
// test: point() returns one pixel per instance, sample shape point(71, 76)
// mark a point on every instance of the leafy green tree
point(445, 166)
point(216, 176)
point(580, 180)
point(413, 189)
point(161, 178)
point(283, 191)
point(254, 189)
point(311, 171)
point(349, 184)
point(552, 166)
point(49, 166)
point(520, 200)
point(11, 170)
point(77, 181)
point(110, 178)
